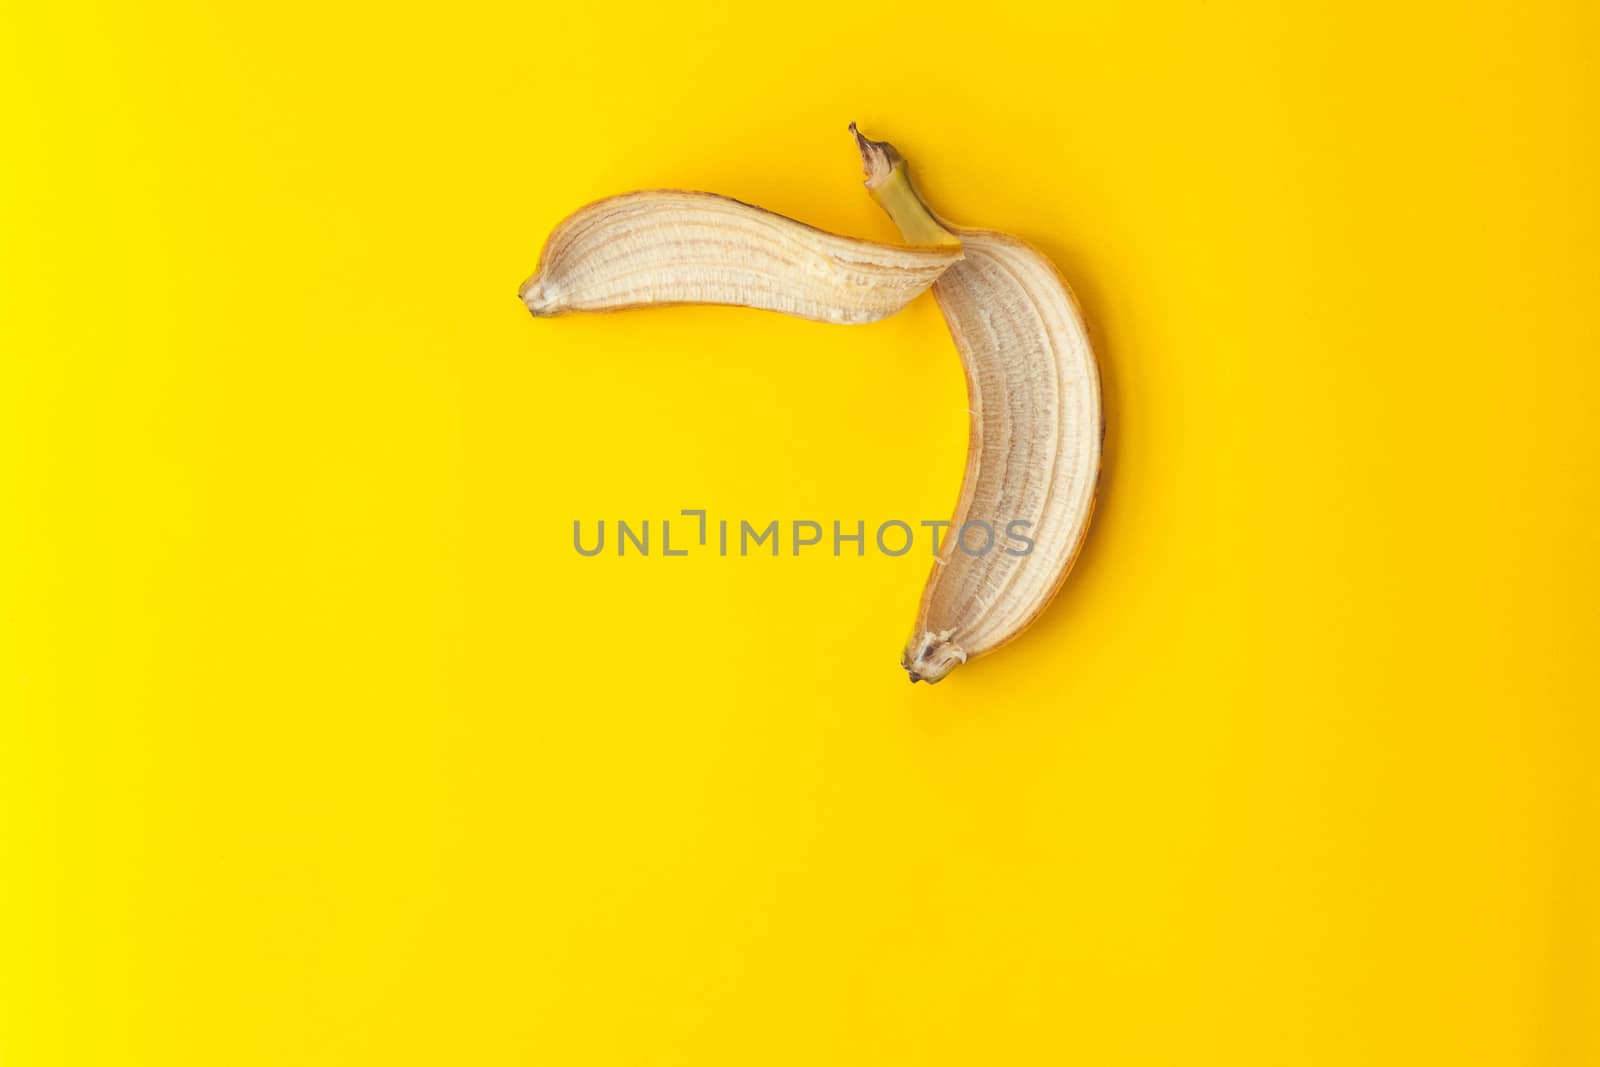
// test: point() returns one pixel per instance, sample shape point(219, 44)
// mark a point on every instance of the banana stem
point(890, 185)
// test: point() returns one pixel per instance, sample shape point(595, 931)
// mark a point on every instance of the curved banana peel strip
point(1034, 443)
point(673, 247)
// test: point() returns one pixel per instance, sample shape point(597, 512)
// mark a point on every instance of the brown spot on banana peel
point(663, 247)
point(1034, 444)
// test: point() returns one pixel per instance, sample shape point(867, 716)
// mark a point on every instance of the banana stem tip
point(878, 158)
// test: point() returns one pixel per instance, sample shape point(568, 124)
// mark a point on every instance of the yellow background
point(320, 745)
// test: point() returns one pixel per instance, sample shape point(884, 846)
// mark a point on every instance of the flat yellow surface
point(319, 743)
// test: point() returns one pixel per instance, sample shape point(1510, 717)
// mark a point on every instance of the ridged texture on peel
point(1033, 452)
point(1033, 449)
point(669, 247)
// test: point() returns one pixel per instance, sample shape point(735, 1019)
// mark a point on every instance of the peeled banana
point(1033, 452)
point(1033, 458)
point(672, 247)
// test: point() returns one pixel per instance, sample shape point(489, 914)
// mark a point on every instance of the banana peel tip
point(878, 158)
